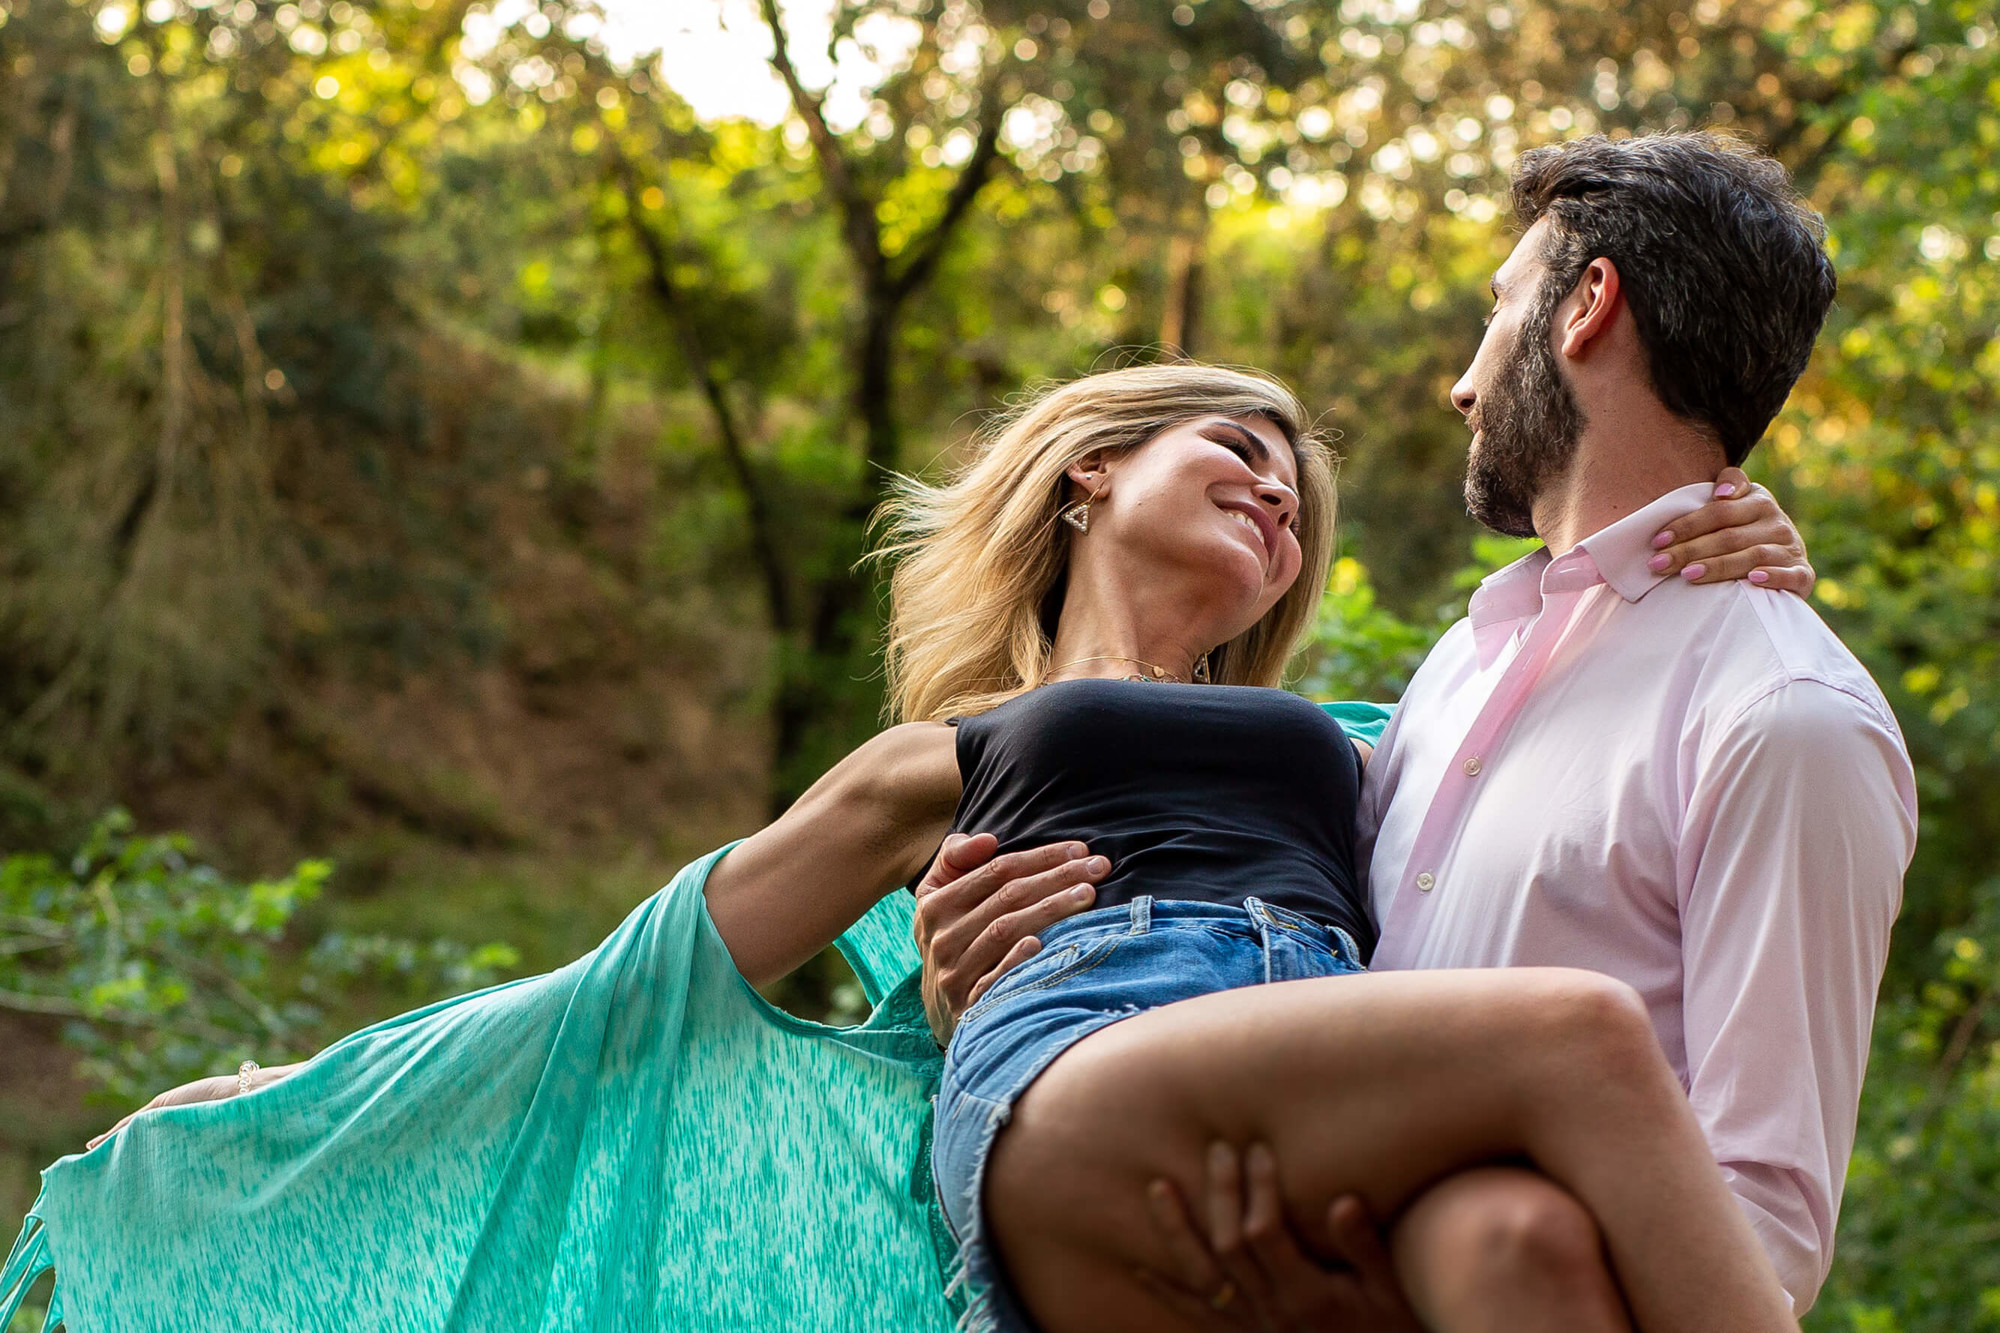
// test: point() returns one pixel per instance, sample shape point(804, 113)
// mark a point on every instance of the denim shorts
point(1094, 969)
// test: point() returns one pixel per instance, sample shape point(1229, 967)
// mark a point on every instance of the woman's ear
point(1090, 473)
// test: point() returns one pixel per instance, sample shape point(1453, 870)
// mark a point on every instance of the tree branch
point(660, 280)
point(978, 169)
point(31, 925)
point(858, 223)
point(23, 1002)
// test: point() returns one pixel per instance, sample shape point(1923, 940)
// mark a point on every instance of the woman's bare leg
point(1505, 1250)
point(1381, 1085)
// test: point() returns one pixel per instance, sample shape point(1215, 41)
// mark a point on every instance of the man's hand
point(978, 914)
point(1249, 1271)
point(201, 1090)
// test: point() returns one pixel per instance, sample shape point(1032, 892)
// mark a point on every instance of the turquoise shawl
point(635, 1141)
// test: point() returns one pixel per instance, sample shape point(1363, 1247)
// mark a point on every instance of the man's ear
point(1599, 297)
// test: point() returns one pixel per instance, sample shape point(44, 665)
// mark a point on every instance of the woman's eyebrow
point(1247, 436)
point(1263, 451)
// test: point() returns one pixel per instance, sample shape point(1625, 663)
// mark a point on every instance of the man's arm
point(1801, 822)
point(978, 914)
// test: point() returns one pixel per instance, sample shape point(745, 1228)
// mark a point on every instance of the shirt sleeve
point(1799, 826)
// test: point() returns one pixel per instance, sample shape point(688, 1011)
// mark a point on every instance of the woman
point(1174, 524)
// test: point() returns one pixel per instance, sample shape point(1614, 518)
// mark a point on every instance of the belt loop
point(1350, 950)
point(1142, 914)
point(1260, 917)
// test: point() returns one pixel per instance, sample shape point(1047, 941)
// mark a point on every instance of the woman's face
point(1213, 501)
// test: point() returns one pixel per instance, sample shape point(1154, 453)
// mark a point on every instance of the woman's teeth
point(1249, 523)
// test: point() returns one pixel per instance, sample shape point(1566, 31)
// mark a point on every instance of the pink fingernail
point(1693, 572)
point(1724, 491)
point(1663, 539)
point(1659, 562)
point(1760, 576)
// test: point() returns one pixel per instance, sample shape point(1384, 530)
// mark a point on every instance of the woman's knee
point(1483, 1234)
point(1589, 1021)
point(1536, 1230)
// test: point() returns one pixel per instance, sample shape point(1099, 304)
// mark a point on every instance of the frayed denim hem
point(991, 1306)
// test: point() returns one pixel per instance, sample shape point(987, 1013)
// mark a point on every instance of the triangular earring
point(1078, 515)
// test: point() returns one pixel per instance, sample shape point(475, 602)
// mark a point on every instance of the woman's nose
point(1282, 503)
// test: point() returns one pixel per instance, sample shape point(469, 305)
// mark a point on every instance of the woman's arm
point(869, 825)
point(781, 895)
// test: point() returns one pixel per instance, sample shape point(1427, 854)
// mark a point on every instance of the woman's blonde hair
point(979, 561)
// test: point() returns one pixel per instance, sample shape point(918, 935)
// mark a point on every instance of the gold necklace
point(1160, 676)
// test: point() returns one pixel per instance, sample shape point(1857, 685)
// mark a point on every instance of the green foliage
point(165, 969)
point(1920, 1236)
point(1360, 649)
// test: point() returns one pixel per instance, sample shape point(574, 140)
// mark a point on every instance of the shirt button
point(1425, 881)
point(1472, 767)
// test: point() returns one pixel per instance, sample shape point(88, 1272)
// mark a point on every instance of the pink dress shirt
point(1697, 790)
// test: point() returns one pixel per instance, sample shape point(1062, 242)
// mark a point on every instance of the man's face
point(1525, 420)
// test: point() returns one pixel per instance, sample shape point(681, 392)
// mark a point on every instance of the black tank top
point(1210, 792)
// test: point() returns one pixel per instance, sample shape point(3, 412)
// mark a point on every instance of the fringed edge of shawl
point(26, 1262)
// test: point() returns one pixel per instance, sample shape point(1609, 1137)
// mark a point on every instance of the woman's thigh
point(1376, 1084)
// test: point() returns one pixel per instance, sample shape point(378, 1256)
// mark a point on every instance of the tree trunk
point(810, 703)
point(1180, 324)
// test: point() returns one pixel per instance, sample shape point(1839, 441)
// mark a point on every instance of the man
point(1695, 789)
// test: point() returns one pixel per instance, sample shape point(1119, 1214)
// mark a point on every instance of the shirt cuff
point(1781, 1212)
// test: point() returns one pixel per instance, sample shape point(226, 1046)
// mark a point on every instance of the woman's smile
point(1261, 524)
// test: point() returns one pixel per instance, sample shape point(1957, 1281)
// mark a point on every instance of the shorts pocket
point(1047, 969)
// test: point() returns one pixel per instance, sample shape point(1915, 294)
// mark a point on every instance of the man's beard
point(1529, 423)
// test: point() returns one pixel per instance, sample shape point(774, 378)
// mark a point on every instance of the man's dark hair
point(1724, 267)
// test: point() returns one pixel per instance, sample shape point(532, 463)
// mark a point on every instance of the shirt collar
point(1621, 551)
point(1616, 555)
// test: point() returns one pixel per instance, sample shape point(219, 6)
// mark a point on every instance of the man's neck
point(1623, 463)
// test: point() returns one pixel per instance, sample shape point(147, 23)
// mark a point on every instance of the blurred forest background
point(435, 457)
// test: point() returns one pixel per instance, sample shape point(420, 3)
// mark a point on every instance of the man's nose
point(1463, 396)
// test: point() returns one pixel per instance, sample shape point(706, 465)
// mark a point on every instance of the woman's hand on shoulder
point(1739, 534)
point(864, 828)
point(219, 1088)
